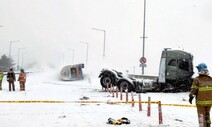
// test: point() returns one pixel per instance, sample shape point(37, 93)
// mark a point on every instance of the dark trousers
point(205, 111)
point(11, 84)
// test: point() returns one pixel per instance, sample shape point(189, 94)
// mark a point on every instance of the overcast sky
point(50, 29)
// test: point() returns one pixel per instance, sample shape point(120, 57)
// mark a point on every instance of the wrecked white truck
point(175, 75)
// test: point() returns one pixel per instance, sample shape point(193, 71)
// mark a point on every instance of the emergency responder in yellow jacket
point(201, 89)
point(22, 80)
point(1, 78)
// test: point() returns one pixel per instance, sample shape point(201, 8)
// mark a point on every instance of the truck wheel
point(124, 85)
point(106, 80)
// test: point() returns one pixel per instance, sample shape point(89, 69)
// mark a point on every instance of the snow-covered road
point(43, 86)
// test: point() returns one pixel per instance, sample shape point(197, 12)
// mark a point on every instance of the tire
point(125, 85)
point(107, 80)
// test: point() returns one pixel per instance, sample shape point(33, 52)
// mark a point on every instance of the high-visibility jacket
point(202, 89)
point(1, 75)
point(22, 77)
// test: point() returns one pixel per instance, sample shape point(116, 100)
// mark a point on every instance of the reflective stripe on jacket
point(22, 77)
point(202, 89)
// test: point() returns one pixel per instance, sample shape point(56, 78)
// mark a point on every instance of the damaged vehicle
point(109, 78)
point(175, 75)
point(72, 72)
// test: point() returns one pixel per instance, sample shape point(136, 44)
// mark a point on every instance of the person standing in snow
point(1, 78)
point(11, 79)
point(22, 80)
point(201, 89)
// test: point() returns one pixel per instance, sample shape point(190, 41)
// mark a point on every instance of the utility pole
point(143, 59)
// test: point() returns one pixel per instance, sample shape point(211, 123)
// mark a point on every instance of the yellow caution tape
point(92, 102)
point(48, 101)
point(157, 102)
point(180, 105)
point(31, 101)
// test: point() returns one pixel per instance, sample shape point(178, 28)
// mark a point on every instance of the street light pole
point(10, 47)
point(18, 57)
point(144, 36)
point(86, 52)
point(104, 40)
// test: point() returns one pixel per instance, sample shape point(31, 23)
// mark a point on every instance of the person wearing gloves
point(201, 89)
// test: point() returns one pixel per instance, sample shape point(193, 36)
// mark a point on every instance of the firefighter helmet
point(201, 67)
point(22, 70)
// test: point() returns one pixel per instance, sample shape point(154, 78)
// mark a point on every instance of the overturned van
point(72, 72)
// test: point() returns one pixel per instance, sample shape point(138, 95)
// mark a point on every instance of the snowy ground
point(44, 86)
